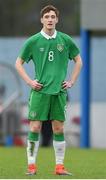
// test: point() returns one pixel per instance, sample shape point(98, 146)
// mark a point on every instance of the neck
point(49, 32)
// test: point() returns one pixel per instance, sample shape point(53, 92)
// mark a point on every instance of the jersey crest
point(60, 47)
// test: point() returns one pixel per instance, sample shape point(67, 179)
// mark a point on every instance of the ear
point(41, 20)
point(57, 20)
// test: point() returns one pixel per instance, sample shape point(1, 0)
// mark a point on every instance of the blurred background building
point(21, 19)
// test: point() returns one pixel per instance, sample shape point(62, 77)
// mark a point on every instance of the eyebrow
point(49, 15)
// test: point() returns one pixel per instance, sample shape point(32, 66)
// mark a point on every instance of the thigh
point(58, 107)
point(38, 106)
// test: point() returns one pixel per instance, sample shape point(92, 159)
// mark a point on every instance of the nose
point(50, 19)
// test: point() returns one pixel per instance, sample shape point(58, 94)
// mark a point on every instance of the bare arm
point(34, 84)
point(75, 73)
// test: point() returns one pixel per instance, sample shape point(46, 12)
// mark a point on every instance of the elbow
point(16, 64)
point(19, 63)
point(81, 64)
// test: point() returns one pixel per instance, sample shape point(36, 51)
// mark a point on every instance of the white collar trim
point(47, 36)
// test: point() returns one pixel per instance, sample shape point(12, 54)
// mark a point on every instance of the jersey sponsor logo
point(41, 49)
point(60, 47)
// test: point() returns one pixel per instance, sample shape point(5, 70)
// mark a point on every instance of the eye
point(53, 17)
point(46, 16)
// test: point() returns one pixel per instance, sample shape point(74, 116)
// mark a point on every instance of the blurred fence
point(10, 92)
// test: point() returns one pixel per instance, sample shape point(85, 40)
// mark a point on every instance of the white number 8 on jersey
point(51, 56)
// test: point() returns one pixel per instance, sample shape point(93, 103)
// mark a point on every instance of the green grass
point(83, 163)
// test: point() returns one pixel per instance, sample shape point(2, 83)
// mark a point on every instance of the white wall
point(97, 125)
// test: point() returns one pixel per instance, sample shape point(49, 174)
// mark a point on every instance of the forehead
point(50, 13)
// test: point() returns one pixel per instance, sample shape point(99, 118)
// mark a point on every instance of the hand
point(67, 84)
point(35, 85)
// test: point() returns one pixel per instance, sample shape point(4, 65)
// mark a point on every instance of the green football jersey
point(50, 58)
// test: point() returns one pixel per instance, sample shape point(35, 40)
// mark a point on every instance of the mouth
point(50, 24)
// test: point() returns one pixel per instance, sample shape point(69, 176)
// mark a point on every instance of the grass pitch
point(83, 163)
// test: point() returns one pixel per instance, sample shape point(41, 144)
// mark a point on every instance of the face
point(49, 20)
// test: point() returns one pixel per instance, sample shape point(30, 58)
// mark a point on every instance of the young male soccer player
point(50, 51)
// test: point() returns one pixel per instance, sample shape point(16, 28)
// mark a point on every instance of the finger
point(64, 85)
point(36, 82)
point(36, 88)
point(64, 82)
point(39, 84)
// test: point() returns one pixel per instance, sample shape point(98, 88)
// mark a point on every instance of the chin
point(50, 28)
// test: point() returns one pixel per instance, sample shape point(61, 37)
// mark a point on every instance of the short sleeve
point(73, 49)
point(25, 52)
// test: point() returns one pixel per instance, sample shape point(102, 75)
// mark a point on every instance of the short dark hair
point(49, 8)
